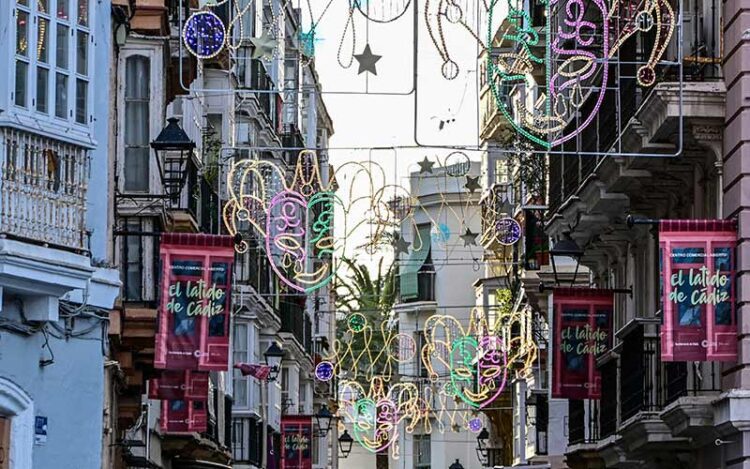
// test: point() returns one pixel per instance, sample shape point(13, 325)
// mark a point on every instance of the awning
point(409, 268)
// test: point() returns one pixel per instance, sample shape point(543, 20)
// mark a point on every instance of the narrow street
point(375, 234)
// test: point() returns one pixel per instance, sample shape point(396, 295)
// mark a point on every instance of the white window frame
point(153, 52)
point(252, 355)
point(30, 107)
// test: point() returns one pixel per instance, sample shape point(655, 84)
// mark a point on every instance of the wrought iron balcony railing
point(43, 185)
point(640, 374)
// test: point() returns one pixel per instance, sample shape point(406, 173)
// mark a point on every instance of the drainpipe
point(521, 389)
point(719, 165)
point(264, 410)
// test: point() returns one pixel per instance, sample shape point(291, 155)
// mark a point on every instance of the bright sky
point(364, 119)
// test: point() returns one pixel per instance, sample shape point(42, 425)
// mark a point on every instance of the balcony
point(425, 287)
point(269, 101)
point(639, 433)
point(583, 434)
point(690, 390)
point(43, 190)
point(493, 125)
point(294, 321)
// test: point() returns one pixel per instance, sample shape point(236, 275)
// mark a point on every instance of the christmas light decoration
point(293, 217)
point(204, 34)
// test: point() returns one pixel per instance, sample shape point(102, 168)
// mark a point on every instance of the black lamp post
point(273, 356)
point(323, 418)
point(566, 247)
point(345, 443)
point(173, 149)
point(456, 465)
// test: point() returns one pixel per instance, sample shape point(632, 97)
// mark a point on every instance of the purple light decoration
point(475, 425)
point(285, 236)
point(204, 34)
point(324, 371)
point(575, 23)
point(508, 231)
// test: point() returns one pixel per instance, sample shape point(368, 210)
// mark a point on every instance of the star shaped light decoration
point(469, 238)
point(425, 166)
point(472, 183)
point(401, 245)
point(264, 46)
point(367, 61)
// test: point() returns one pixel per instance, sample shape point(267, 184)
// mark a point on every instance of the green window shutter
point(410, 267)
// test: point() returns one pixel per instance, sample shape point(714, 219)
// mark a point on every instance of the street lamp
point(456, 465)
point(482, 438)
point(482, 451)
point(345, 443)
point(323, 418)
point(566, 247)
point(273, 356)
point(173, 148)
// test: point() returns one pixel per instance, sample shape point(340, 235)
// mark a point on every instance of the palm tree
point(371, 297)
point(361, 293)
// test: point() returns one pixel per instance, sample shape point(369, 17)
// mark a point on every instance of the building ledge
point(415, 307)
point(194, 446)
point(39, 276)
point(691, 416)
point(584, 455)
point(732, 411)
point(646, 432)
point(615, 455)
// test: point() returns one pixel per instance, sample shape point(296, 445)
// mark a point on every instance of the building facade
point(436, 278)
point(57, 281)
point(232, 109)
point(652, 413)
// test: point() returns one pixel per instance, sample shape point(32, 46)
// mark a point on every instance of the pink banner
point(296, 436)
point(698, 290)
point(179, 384)
point(582, 331)
point(182, 416)
point(195, 301)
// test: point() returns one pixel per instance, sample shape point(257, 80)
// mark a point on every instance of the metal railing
point(583, 426)
point(640, 374)
point(43, 185)
point(690, 379)
point(608, 401)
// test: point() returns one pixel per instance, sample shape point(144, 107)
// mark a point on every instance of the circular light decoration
point(508, 231)
point(356, 322)
point(403, 347)
point(204, 34)
point(449, 69)
point(457, 164)
point(475, 425)
point(324, 371)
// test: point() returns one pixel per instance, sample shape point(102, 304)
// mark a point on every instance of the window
point(133, 265)
point(42, 78)
point(422, 451)
point(246, 349)
point(22, 72)
point(45, 52)
point(137, 100)
point(63, 47)
point(240, 351)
